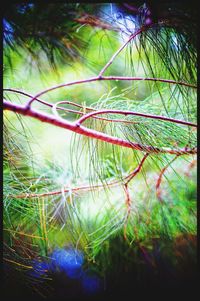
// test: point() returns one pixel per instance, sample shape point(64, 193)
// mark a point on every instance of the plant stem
point(158, 183)
point(72, 126)
point(102, 78)
point(120, 49)
point(163, 118)
point(126, 180)
point(68, 110)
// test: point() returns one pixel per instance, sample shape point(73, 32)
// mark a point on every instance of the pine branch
point(109, 78)
point(159, 180)
point(163, 118)
point(74, 127)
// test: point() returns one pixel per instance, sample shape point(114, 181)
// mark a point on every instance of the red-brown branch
point(95, 112)
point(102, 78)
point(126, 180)
point(72, 126)
point(128, 204)
point(55, 107)
point(163, 118)
point(126, 189)
point(158, 183)
point(120, 49)
point(137, 170)
point(70, 110)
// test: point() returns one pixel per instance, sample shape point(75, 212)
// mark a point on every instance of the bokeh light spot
point(70, 261)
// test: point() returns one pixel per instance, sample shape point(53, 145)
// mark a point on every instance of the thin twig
point(156, 79)
point(125, 180)
point(163, 118)
point(126, 189)
point(55, 107)
point(137, 170)
point(158, 183)
point(128, 204)
point(102, 78)
point(120, 49)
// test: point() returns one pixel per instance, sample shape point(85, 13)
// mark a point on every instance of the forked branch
point(76, 127)
point(72, 126)
point(109, 78)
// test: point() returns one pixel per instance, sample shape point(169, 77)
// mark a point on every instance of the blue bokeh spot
point(70, 261)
